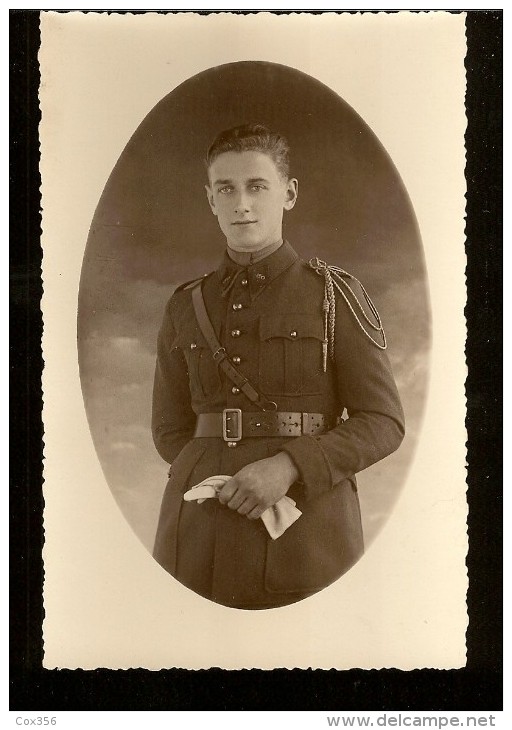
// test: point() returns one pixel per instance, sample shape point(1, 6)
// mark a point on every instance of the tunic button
point(237, 306)
point(236, 360)
point(261, 277)
point(235, 333)
point(193, 345)
point(235, 390)
point(293, 333)
point(244, 282)
point(232, 444)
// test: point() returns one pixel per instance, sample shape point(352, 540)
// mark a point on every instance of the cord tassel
point(325, 343)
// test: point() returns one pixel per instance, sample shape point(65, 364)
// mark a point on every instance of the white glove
point(276, 519)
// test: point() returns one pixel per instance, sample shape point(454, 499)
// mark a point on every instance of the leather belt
point(232, 424)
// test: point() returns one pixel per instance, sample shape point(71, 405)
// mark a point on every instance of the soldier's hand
point(259, 485)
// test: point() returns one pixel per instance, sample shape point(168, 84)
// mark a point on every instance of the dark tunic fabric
point(277, 333)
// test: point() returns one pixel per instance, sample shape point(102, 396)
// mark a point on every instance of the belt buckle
point(232, 415)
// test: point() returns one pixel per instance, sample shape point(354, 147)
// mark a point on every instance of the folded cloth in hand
point(276, 519)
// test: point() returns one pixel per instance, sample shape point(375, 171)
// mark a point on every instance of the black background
point(476, 687)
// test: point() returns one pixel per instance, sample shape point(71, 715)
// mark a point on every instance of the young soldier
point(253, 386)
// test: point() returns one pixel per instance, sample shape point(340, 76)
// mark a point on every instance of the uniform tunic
point(269, 318)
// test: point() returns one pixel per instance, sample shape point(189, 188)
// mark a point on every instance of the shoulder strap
point(220, 355)
point(189, 284)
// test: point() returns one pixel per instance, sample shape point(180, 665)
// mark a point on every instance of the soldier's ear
point(292, 191)
point(211, 202)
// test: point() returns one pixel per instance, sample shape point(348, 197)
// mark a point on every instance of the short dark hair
point(252, 138)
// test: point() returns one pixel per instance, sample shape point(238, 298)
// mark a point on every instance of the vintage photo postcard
point(253, 234)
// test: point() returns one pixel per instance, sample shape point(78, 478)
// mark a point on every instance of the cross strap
point(220, 355)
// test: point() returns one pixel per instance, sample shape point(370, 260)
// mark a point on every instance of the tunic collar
point(245, 258)
point(258, 274)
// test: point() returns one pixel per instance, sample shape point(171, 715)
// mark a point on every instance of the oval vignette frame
point(152, 229)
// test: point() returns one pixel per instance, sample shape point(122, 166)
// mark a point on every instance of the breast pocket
point(290, 357)
point(204, 376)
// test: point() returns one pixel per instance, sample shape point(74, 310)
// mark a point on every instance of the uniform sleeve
point(173, 419)
point(366, 387)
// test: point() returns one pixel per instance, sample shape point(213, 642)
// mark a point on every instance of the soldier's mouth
point(243, 223)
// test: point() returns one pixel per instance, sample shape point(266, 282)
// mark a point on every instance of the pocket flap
point(189, 338)
point(291, 326)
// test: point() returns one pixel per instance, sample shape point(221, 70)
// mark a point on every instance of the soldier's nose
point(242, 205)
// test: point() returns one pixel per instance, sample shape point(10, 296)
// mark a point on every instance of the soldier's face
point(248, 195)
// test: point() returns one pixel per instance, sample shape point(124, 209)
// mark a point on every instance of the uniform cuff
point(309, 458)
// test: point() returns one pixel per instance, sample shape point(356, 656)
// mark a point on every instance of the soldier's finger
point(236, 500)
point(227, 491)
point(246, 507)
point(255, 513)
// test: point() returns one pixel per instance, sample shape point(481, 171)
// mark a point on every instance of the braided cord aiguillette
point(333, 278)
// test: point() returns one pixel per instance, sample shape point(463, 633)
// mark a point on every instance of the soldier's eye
point(258, 187)
point(225, 190)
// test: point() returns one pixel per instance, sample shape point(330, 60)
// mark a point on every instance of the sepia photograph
point(254, 319)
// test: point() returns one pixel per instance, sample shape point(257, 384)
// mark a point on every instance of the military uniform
point(268, 316)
